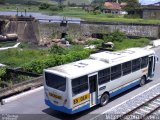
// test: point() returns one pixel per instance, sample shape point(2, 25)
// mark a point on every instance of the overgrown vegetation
point(128, 43)
point(32, 59)
point(120, 40)
point(36, 60)
point(2, 72)
point(116, 36)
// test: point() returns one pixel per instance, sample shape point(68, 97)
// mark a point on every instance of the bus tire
point(142, 81)
point(104, 99)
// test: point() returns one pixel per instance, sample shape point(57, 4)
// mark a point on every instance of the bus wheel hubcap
point(104, 99)
point(142, 81)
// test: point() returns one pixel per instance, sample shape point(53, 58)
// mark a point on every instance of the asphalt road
point(32, 106)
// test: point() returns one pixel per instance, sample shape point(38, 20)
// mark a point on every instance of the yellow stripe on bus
point(55, 96)
point(81, 98)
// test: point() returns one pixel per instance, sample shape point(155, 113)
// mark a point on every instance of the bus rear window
point(55, 81)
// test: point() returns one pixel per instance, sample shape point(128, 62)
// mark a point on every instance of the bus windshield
point(55, 81)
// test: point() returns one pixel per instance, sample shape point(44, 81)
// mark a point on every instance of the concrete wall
point(49, 30)
point(27, 30)
point(140, 30)
point(151, 14)
point(86, 29)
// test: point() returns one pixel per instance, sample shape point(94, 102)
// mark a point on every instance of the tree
point(132, 7)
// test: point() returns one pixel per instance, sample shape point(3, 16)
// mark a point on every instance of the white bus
point(80, 85)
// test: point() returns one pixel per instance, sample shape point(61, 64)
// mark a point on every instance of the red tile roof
point(112, 5)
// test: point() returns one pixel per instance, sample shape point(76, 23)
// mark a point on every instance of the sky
point(146, 2)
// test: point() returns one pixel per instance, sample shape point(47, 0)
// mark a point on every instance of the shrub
point(115, 36)
point(54, 8)
point(55, 49)
point(96, 12)
point(70, 40)
point(37, 66)
point(2, 72)
point(94, 42)
point(44, 6)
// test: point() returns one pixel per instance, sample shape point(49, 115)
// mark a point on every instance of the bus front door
point(93, 89)
point(151, 66)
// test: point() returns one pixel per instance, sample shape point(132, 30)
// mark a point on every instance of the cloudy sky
point(146, 2)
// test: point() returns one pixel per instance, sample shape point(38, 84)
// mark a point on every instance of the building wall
point(151, 14)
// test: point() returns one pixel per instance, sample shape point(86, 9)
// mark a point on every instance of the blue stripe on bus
point(87, 106)
point(64, 109)
point(124, 88)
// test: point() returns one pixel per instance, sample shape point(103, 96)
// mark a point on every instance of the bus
point(80, 85)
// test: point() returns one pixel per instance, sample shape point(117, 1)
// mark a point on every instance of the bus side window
point(79, 85)
point(136, 64)
point(115, 72)
point(104, 76)
point(126, 68)
point(144, 62)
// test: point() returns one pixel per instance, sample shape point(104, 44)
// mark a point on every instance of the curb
point(15, 97)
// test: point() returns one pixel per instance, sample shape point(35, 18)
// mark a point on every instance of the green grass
point(128, 43)
point(13, 7)
point(78, 2)
point(35, 60)
point(78, 12)
point(30, 1)
point(7, 44)
point(18, 57)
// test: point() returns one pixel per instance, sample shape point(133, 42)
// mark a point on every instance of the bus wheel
point(143, 81)
point(104, 99)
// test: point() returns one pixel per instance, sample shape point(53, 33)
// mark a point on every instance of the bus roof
point(98, 61)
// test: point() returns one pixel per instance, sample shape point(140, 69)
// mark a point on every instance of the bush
point(37, 66)
point(94, 42)
point(44, 6)
point(96, 12)
point(70, 40)
point(2, 72)
point(115, 36)
point(55, 49)
point(54, 8)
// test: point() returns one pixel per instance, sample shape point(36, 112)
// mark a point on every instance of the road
point(32, 106)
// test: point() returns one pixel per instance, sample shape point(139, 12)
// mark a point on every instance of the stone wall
point(49, 31)
point(86, 29)
point(134, 30)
